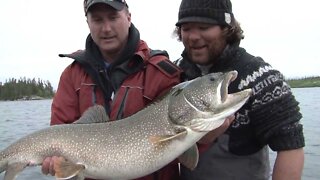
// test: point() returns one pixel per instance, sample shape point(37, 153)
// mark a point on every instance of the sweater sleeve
point(275, 113)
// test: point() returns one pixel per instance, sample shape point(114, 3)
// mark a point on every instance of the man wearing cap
point(270, 119)
point(117, 70)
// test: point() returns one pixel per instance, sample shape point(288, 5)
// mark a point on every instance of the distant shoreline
point(32, 99)
point(304, 82)
point(307, 82)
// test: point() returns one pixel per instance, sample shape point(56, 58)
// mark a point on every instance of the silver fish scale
point(104, 145)
point(122, 149)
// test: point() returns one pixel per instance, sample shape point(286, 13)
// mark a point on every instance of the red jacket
point(77, 91)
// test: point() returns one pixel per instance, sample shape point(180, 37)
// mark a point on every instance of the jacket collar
point(117, 71)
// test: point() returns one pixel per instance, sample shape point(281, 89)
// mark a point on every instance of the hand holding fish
point(48, 165)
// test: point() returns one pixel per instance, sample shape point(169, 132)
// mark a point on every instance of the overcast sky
point(285, 33)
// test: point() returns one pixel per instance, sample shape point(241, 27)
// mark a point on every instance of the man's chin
point(200, 60)
point(109, 49)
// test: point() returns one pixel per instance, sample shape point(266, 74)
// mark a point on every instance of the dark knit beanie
point(205, 11)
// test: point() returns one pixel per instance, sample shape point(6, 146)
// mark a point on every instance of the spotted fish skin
point(149, 139)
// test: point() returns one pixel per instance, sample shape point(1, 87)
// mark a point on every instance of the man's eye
point(185, 29)
point(203, 27)
point(97, 19)
point(113, 17)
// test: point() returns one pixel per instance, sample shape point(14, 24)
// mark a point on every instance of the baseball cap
point(116, 4)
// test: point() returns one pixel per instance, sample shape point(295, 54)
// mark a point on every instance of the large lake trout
point(135, 146)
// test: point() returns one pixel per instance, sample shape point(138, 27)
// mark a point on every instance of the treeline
point(25, 89)
point(304, 82)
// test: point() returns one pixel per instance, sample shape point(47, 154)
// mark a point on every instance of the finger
point(45, 165)
point(51, 166)
point(230, 119)
point(225, 124)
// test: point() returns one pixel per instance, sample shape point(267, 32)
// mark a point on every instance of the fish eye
point(212, 79)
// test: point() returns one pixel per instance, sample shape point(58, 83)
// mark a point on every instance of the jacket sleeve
point(65, 105)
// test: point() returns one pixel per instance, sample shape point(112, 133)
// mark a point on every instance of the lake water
point(19, 118)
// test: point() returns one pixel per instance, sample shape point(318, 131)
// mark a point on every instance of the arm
point(65, 105)
point(276, 119)
point(288, 165)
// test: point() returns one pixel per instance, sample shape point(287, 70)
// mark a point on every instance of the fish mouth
point(231, 76)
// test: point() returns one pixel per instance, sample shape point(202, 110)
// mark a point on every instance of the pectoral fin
point(13, 169)
point(164, 138)
point(67, 170)
point(190, 158)
point(205, 125)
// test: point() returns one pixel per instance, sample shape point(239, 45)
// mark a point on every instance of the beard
point(214, 50)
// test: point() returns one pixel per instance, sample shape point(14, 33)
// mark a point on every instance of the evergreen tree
point(24, 88)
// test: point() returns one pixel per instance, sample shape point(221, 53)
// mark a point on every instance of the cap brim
point(196, 19)
point(114, 4)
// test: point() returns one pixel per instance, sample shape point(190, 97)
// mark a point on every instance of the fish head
point(205, 101)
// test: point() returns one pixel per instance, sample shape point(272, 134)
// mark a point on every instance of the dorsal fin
point(94, 114)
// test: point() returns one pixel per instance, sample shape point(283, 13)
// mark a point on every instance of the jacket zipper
point(121, 108)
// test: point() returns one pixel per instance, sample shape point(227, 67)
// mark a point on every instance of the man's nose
point(106, 26)
point(194, 34)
